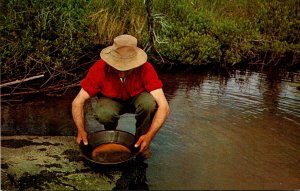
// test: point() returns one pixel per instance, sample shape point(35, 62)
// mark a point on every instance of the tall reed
point(112, 18)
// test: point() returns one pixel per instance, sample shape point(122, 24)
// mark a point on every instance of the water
point(241, 132)
point(236, 132)
point(111, 153)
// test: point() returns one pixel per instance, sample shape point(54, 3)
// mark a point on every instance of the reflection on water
point(241, 132)
point(224, 132)
point(133, 177)
point(50, 116)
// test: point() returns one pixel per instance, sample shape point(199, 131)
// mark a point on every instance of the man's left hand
point(144, 142)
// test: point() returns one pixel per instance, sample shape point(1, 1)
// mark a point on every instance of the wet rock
point(7, 181)
point(4, 166)
point(49, 163)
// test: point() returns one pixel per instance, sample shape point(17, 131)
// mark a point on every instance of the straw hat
point(124, 54)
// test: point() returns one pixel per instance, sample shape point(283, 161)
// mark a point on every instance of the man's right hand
point(82, 136)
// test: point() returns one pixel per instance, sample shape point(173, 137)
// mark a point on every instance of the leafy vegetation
point(58, 38)
point(230, 32)
point(40, 36)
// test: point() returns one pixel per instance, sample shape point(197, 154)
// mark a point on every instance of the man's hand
point(144, 142)
point(82, 136)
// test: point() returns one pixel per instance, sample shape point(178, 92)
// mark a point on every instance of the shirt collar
point(111, 71)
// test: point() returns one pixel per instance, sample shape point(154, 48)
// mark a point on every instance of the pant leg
point(145, 107)
point(106, 112)
point(91, 124)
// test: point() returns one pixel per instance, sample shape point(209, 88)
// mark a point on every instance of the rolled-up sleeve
point(92, 82)
point(150, 78)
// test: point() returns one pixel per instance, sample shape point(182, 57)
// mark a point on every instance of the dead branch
point(20, 81)
point(46, 90)
point(58, 71)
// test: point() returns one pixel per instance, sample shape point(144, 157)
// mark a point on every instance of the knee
point(105, 116)
point(146, 106)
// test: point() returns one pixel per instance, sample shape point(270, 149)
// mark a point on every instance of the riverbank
point(33, 89)
point(53, 163)
point(48, 163)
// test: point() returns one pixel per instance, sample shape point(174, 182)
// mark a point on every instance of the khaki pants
point(107, 112)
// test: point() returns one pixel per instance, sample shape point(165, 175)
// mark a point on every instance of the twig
point(59, 71)
point(48, 78)
point(24, 77)
point(81, 65)
point(20, 93)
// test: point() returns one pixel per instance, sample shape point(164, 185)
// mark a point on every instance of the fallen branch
point(51, 89)
point(20, 81)
point(20, 93)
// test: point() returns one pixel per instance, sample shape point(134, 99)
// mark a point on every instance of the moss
point(72, 155)
point(295, 84)
point(40, 181)
point(12, 143)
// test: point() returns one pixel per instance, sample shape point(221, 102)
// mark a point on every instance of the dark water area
point(236, 131)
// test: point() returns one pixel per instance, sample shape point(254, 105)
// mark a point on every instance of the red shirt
point(100, 79)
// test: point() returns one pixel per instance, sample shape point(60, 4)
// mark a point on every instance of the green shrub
point(42, 36)
point(279, 20)
point(189, 43)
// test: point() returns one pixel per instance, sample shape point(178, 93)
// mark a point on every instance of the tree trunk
point(148, 4)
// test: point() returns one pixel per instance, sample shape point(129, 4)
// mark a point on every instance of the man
point(124, 82)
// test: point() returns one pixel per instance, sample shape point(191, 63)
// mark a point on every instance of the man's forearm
point(159, 119)
point(78, 116)
point(161, 114)
point(78, 109)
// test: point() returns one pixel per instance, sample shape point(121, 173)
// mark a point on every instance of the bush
point(43, 36)
point(188, 42)
point(278, 24)
point(258, 31)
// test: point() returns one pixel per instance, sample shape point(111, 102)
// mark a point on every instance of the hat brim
point(124, 64)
